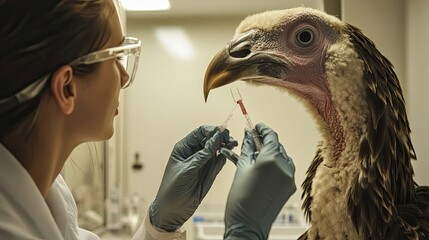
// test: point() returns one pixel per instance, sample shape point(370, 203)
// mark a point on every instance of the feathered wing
point(307, 186)
point(384, 195)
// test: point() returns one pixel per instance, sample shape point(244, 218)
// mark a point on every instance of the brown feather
point(307, 184)
point(383, 202)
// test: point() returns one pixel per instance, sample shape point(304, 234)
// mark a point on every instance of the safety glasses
point(127, 54)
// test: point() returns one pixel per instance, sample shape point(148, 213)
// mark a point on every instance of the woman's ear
point(63, 89)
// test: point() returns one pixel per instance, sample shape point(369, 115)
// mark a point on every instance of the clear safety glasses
point(127, 54)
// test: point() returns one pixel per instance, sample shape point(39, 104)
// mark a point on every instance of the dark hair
point(39, 36)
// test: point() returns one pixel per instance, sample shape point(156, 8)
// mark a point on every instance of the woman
point(62, 65)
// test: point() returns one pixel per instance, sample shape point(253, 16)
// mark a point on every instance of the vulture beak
point(237, 61)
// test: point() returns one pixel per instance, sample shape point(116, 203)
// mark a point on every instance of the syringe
point(249, 123)
point(225, 123)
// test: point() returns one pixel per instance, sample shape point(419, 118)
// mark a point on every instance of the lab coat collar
point(30, 208)
point(63, 207)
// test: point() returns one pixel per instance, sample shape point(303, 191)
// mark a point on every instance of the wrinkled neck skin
point(309, 83)
point(330, 126)
point(318, 100)
point(336, 136)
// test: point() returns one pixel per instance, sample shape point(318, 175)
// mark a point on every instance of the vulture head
point(360, 184)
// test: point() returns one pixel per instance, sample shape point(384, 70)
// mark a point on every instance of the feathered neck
point(346, 122)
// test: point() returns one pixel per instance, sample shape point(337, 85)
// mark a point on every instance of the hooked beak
point(236, 61)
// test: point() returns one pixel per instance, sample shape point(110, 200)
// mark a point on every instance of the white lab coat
point(25, 214)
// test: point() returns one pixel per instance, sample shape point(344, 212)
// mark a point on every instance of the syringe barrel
point(248, 121)
point(255, 134)
point(249, 124)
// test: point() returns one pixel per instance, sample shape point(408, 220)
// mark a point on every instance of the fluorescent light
point(146, 5)
point(176, 42)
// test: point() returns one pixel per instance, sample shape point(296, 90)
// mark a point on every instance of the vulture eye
point(304, 37)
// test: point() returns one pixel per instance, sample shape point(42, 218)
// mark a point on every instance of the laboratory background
point(114, 181)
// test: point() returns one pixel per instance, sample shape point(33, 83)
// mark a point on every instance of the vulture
point(360, 184)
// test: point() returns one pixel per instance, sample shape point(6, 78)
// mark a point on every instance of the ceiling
point(199, 8)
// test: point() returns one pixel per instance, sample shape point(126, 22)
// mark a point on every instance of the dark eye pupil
point(305, 37)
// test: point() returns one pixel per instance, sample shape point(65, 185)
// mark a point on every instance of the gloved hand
point(260, 188)
point(190, 172)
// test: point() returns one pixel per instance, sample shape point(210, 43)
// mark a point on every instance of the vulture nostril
point(240, 53)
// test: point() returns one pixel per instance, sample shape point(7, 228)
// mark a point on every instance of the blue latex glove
point(190, 172)
point(260, 188)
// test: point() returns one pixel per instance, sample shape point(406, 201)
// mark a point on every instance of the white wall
point(417, 59)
